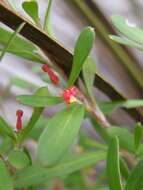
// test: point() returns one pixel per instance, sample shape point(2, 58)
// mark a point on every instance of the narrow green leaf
point(38, 101)
point(35, 175)
point(18, 159)
point(21, 83)
point(18, 43)
point(134, 181)
point(81, 52)
point(129, 30)
point(32, 56)
point(126, 139)
point(109, 107)
point(138, 135)
point(89, 71)
point(61, 129)
point(31, 8)
point(113, 165)
point(43, 91)
point(134, 103)
point(125, 41)
point(5, 179)
point(19, 46)
point(88, 143)
point(11, 40)
point(47, 22)
point(5, 129)
point(124, 168)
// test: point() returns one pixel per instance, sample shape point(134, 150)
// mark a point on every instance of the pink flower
point(69, 95)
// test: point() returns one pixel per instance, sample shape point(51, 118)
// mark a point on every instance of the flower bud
point(53, 77)
point(19, 114)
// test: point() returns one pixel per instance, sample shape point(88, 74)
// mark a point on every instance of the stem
point(34, 118)
point(94, 111)
point(59, 55)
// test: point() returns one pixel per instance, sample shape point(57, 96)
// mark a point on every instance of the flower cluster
point(69, 95)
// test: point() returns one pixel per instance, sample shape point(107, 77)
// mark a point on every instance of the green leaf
point(18, 43)
point(21, 83)
point(12, 37)
point(134, 181)
point(107, 134)
point(32, 56)
point(131, 31)
point(43, 91)
point(31, 8)
point(88, 143)
point(138, 135)
point(38, 101)
point(124, 168)
point(82, 49)
point(62, 129)
point(35, 175)
point(5, 179)
point(126, 139)
point(109, 107)
point(113, 166)
point(18, 159)
point(133, 103)
point(19, 46)
point(47, 22)
point(5, 129)
point(89, 71)
point(125, 41)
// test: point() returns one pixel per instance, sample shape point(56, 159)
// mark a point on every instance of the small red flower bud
point(69, 94)
point(19, 114)
point(53, 77)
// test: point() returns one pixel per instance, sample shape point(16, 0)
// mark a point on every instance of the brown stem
point(56, 52)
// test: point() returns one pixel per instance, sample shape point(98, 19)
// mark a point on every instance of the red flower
point(19, 114)
point(53, 77)
point(69, 95)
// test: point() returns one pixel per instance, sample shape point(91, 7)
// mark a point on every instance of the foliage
point(63, 151)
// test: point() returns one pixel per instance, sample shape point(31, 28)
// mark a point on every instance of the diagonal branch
point(57, 52)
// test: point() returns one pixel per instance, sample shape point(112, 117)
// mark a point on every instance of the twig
point(61, 56)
